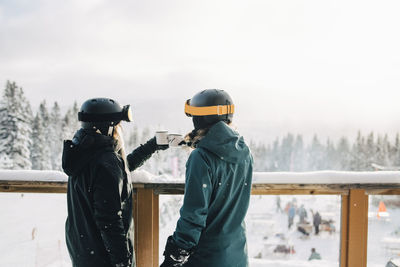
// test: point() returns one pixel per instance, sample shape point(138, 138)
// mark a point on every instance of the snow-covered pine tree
point(46, 147)
point(15, 127)
point(396, 151)
point(70, 123)
point(286, 153)
point(316, 155)
point(37, 143)
point(359, 161)
point(388, 148)
point(382, 151)
point(41, 139)
point(331, 156)
point(343, 152)
point(5, 162)
point(370, 151)
point(299, 157)
point(56, 138)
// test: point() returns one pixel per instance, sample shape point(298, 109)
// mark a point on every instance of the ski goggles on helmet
point(124, 115)
point(127, 113)
point(208, 110)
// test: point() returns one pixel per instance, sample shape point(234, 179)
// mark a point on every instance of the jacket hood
point(225, 142)
point(85, 145)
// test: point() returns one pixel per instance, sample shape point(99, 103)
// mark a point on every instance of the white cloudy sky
point(330, 67)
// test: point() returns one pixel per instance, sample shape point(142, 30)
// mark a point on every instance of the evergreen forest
point(34, 140)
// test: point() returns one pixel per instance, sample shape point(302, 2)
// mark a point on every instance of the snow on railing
point(316, 177)
point(33, 175)
point(327, 177)
point(142, 176)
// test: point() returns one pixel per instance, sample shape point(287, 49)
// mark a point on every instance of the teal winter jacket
point(217, 194)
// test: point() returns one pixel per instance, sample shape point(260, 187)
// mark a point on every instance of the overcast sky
point(329, 67)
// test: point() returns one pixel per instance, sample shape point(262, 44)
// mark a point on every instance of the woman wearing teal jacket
point(211, 231)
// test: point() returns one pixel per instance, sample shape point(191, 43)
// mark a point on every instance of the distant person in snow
point(99, 226)
point(317, 221)
point(314, 255)
point(278, 204)
point(211, 231)
point(291, 214)
point(302, 214)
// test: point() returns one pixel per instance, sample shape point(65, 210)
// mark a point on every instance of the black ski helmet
point(209, 107)
point(103, 114)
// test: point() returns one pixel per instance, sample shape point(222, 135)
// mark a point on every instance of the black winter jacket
point(99, 228)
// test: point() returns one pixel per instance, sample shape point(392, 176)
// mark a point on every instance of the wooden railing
point(354, 208)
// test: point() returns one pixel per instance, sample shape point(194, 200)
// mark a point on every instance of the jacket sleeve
point(193, 214)
point(107, 206)
point(141, 154)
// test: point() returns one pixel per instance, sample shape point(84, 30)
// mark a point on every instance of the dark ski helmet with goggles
point(103, 114)
point(209, 107)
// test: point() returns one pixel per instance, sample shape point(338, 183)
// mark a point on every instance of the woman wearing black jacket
point(99, 228)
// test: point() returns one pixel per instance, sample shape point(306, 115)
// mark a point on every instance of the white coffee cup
point(162, 137)
point(174, 140)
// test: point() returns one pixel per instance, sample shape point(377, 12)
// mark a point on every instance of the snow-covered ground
point(32, 230)
point(383, 235)
point(267, 228)
point(264, 223)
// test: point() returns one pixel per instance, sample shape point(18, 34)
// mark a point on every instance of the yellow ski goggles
point(210, 110)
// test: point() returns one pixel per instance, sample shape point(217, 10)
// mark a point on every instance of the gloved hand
point(153, 142)
point(174, 256)
point(162, 147)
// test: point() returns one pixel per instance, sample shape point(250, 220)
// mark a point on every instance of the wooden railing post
point(344, 231)
point(354, 229)
point(146, 216)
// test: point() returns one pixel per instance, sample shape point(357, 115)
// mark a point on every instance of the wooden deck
point(354, 211)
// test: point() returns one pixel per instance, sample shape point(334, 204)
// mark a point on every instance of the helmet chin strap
point(110, 131)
